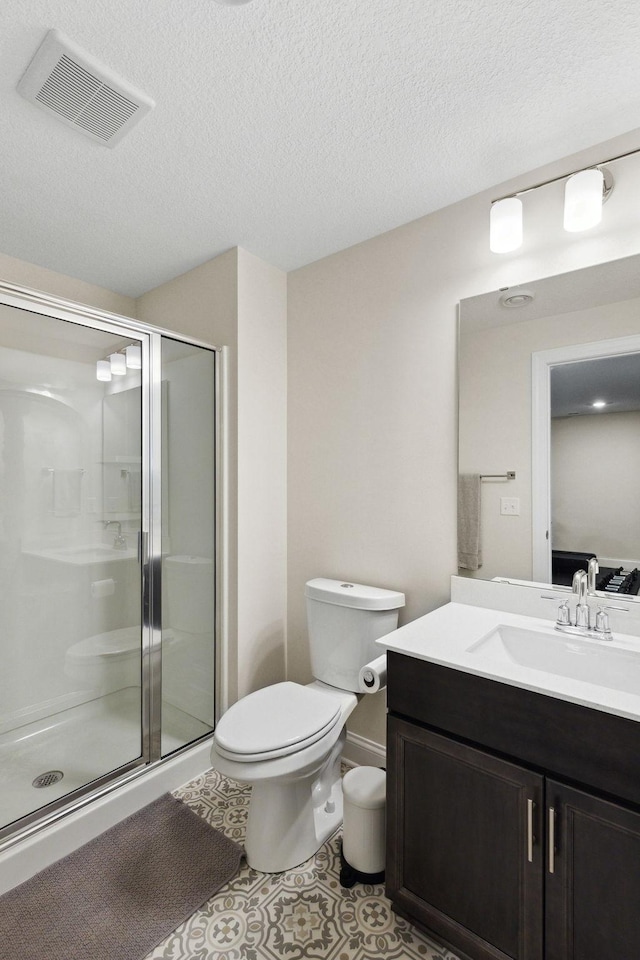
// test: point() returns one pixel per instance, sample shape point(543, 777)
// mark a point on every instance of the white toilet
point(287, 739)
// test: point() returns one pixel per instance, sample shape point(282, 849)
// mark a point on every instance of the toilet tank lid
point(357, 595)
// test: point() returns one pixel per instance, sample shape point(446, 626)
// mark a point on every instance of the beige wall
point(495, 418)
point(595, 466)
point(31, 275)
point(262, 469)
point(373, 401)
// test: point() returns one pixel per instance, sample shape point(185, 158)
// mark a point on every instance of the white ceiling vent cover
point(69, 83)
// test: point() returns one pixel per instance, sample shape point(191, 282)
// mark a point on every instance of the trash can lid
point(365, 787)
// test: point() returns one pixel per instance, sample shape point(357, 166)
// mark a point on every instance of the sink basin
point(590, 661)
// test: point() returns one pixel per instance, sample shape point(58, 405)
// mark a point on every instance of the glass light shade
point(118, 364)
point(103, 370)
point(505, 225)
point(133, 356)
point(583, 200)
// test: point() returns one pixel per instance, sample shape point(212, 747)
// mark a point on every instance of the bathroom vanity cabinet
point(513, 818)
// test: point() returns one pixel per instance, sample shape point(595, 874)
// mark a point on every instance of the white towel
point(469, 536)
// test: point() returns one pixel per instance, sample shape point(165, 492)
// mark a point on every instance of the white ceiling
point(575, 386)
point(296, 129)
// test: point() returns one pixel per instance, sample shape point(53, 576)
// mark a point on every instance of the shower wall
point(51, 500)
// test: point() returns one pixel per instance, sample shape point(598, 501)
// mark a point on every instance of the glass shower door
point(71, 512)
point(188, 542)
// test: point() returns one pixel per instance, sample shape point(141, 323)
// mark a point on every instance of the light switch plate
point(510, 506)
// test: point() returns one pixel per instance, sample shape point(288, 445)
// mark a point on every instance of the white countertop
point(445, 636)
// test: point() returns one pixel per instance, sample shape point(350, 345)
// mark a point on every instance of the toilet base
point(289, 820)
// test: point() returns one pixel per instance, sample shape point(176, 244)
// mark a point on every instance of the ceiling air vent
point(69, 83)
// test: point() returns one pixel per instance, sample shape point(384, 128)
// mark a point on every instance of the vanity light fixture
point(118, 364)
point(505, 231)
point(583, 199)
point(103, 370)
point(585, 193)
point(133, 355)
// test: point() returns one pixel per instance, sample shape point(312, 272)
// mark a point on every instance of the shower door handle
point(143, 560)
point(142, 547)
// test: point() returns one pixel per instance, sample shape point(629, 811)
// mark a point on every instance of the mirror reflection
point(549, 419)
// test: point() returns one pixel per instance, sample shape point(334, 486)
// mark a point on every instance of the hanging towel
point(134, 489)
point(469, 540)
point(67, 489)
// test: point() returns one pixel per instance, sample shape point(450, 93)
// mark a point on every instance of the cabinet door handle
point(530, 837)
point(552, 840)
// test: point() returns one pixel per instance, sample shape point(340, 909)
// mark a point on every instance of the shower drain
point(46, 779)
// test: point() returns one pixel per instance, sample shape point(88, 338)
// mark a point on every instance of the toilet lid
point(275, 721)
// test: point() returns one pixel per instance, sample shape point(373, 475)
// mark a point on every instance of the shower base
point(83, 743)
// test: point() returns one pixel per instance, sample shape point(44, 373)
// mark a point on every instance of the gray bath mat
point(118, 896)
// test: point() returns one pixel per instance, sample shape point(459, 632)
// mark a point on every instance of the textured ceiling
point(296, 129)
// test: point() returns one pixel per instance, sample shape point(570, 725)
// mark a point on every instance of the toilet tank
point(344, 621)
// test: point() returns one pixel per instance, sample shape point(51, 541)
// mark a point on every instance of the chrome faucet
point(593, 570)
point(582, 624)
point(119, 542)
point(580, 579)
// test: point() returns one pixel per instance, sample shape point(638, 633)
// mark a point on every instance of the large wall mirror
point(549, 429)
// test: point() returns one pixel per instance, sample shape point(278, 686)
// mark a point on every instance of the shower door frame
point(149, 548)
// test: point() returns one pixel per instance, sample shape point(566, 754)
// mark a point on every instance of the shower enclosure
point(108, 438)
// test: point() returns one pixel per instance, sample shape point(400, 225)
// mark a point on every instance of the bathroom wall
point(581, 497)
point(39, 278)
point(262, 472)
point(50, 497)
point(372, 391)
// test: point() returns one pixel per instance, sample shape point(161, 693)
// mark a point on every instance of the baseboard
point(360, 752)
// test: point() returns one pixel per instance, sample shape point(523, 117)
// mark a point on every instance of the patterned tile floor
point(303, 914)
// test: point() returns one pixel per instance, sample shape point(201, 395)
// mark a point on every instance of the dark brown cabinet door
point(593, 893)
point(465, 858)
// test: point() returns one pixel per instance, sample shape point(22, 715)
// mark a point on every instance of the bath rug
point(122, 893)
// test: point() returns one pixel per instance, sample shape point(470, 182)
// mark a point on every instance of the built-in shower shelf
point(83, 554)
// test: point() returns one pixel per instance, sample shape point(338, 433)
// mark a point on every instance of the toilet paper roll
point(103, 588)
point(373, 676)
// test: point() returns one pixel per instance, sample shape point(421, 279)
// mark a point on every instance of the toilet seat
point(275, 721)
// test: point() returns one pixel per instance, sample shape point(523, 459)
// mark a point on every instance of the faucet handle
point(564, 614)
point(602, 624)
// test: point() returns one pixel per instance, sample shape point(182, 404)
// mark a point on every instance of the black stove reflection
point(612, 580)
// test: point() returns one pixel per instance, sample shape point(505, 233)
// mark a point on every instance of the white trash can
point(363, 834)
